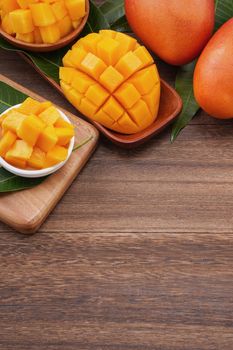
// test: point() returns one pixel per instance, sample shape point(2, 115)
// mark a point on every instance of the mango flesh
point(34, 135)
point(213, 74)
point(175, 30)
point(41, 21)
point(113, 80)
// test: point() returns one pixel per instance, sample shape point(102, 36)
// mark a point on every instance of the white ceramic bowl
point(42, 172)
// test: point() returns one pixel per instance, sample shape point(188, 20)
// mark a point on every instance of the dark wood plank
point(137, 255)
point(116, 291)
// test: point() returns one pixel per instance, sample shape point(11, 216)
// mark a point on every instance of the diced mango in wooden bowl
point(113, 80)
point(35, 136)
point(41, 21)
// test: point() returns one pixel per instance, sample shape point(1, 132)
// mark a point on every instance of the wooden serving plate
point(170, 107)
point(26, 210)
point(48, 47)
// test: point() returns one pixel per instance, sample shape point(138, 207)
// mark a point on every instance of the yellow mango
point(42, 14)
point(29, 106)
point(50, 34)
point(76, 8)
point(50, 115)
point(22, 21)
point(112, 79)
point(30, 129)
point(13, 120)
point(64, 135)
point(56, 155)
point(37, 159)
point(47, 139)
point(20, 150)
point(6, 142)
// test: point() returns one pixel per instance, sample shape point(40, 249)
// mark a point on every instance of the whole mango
point(176, 30)
point(213, 76)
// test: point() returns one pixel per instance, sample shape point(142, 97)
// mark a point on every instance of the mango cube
point(37, 36)
point(13, 120)
point(27, 37)
point(47, 139)
point(30, 106)
point(76, 8)
point(43, 106)
point(59, 10)
point(9, 5)
point(50, 115)
point(7, 25)
point(50, 34)
point(24, 4)
point(6, 142)
point(42, 14)
point(22, 21)
point(61, 123)
point(65, 26)
point(20, 150)
point(64, 135)
point(56, 155)
point(16, 162)
point(30, 129)
point(37, 159)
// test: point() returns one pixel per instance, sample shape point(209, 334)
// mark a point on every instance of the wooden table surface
point(137, 255)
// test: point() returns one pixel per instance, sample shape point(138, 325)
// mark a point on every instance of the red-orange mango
point(176, 30)
point(213, 76)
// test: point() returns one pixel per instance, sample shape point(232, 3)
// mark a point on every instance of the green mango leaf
point(11, 183)
point(184, 87)
point(8, 181)
point(223, 12)
point(48, 63)
point(121, 25)
point(9, 97)
point(113, 11)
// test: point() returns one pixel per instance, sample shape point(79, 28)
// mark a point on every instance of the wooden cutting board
point(26, 210)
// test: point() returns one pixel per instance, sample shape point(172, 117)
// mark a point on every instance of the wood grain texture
point(138, 255)
point(26, 210)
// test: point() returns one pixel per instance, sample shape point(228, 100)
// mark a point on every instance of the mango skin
point(175, 30)
point(213, 75)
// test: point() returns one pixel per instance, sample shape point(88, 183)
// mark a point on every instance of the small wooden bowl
point(48, 47)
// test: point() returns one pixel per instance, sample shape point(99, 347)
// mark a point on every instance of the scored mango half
point(41, 21)
point(113, 80)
